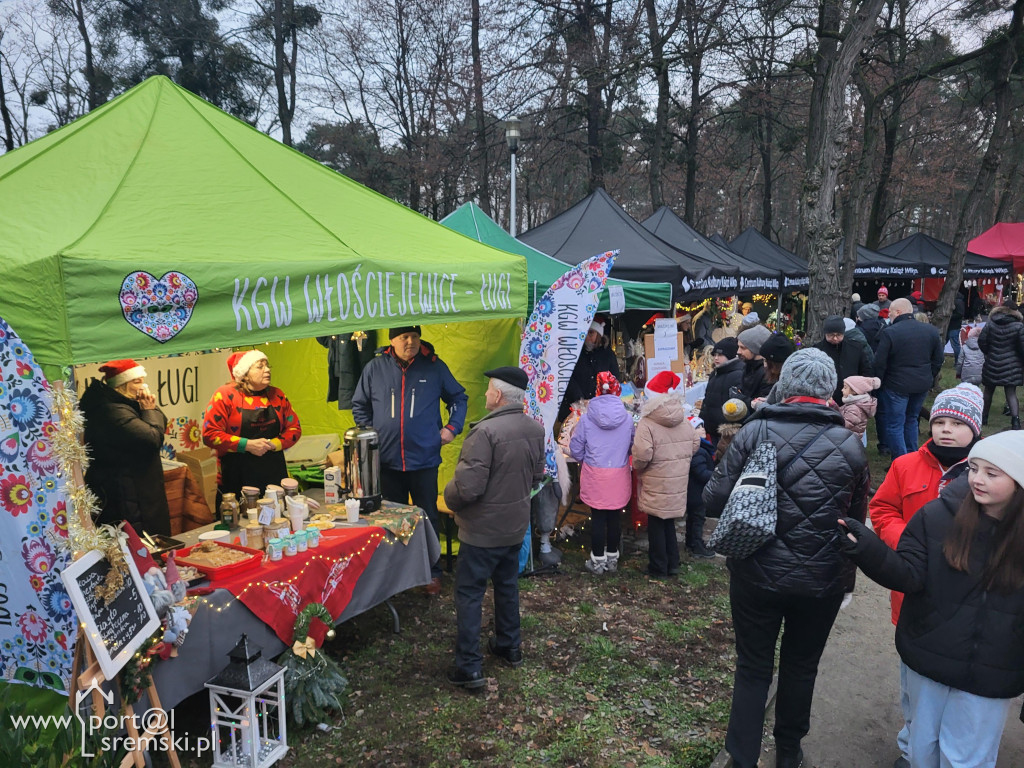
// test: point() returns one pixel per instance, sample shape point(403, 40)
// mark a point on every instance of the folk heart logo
point(160, 307)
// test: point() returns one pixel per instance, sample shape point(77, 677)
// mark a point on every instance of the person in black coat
point(754, 384)
point(1002, 341)
point(798, 578)
point(870, 324)
point(594, 358)
point(727, 375)
point(908, 359)
point(850, 356)
point(960, 633)
point(702, 466)
point(124, 432)
point(345, 362)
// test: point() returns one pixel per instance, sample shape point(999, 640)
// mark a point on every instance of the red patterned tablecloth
point(277, 591)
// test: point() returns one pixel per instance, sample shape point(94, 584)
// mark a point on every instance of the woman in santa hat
point(124, 431)
point(249, 424)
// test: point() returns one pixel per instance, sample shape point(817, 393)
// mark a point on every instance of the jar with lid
point(279, 528)
point(290, 547)
point(229, 510)
point(254, 536)
point(250, 498)
point(301, 542)
point(275, 549)
point(291, 487)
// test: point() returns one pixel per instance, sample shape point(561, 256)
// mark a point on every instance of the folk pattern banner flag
point(37, 623)
point(554, 337)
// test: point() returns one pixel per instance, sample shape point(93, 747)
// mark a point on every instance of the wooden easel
point(86, 672)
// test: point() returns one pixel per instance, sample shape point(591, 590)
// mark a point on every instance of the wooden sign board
point(118, 630)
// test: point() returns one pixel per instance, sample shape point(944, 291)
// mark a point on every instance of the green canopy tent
point(543, 270)
point(159, 224)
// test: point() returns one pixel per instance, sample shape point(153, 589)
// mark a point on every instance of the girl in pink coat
point(601, 443)
point(858, 404)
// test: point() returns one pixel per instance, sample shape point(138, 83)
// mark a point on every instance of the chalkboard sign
point(118, 630)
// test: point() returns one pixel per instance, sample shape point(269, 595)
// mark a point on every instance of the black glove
point(849, 526)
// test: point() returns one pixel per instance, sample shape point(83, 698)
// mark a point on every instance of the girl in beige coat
point(662, 448)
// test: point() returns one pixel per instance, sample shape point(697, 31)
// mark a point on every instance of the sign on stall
point(665, 338)
point(616, 300)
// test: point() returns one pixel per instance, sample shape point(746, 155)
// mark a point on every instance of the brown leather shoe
point(434, 587)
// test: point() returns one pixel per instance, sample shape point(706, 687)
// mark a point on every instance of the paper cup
point(352, 510)
point(298, 520)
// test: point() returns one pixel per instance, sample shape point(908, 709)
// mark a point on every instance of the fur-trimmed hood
point(997, 311)
point(668, 409)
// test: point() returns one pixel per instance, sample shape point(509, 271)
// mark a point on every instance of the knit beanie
point(849, 324)
point(834, 324)
point(777, 348)
point(725, 347)
point(974, 333)
point(883, 291)
point(861, 385)
point(392, 332)
point(808, 372)
point(867, 312)
point(1005, 450)
point(753, 338)
point(695, 421)
point(734, 410)
point(750, 320)
point(963, 403)
point(855, 297)
point(607, 384)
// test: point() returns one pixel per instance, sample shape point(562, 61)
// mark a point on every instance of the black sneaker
point(701, 550)
point(468, 680)
point(511, 656)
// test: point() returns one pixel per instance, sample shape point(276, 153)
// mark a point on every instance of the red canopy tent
point(1003, 241)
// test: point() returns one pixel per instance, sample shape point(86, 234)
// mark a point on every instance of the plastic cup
point(352, 510)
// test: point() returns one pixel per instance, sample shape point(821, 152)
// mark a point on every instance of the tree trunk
point(483, 167)
point(5, 113)
point(827, 141)
point(284, 114)
point(765, 148)
point(692, 139)
point(95, 98)
point(659, 150)
point(997, 140)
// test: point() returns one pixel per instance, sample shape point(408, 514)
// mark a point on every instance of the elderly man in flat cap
point(502, 460)
point(399, 394)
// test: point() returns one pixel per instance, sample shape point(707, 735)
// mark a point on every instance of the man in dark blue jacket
point(908, 358)
point(399, 394)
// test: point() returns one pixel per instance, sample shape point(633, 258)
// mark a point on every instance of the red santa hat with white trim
point(240, 362)
point(662, 383)
point(118, 372)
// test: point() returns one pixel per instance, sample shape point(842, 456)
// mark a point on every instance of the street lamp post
point(512, 137)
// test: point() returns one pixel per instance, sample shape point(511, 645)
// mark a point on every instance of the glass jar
point(229, 510)
point(301, 541)
point(313, 537)
point(254, 536)
point(250, 498)
point(290, 547)
point(275, 549)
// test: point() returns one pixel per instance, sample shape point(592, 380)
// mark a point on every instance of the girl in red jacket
point(916, 478)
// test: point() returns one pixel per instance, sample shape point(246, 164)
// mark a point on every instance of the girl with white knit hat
point(960, 635)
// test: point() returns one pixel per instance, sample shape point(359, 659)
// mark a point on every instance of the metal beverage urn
point(362, 467)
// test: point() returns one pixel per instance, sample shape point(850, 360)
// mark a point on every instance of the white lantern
point(247, 714)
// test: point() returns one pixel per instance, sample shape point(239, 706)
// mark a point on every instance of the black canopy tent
point(673, 230)
point(754, 246)
point(597, 224)
point(934, 256)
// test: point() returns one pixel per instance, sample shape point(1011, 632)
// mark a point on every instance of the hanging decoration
point(313, 682)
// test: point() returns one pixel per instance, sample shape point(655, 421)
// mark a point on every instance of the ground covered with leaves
point(621, 670)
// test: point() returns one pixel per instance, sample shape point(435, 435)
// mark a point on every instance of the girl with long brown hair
point(960, 634)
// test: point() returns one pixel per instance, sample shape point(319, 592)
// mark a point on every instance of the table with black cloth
point(221, 618)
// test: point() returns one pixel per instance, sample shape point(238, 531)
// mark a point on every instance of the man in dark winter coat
point(798, 578)
point(702, 466)
point(908, 359)
point(727, 375)
point(124, 432)
point(400, 394)
point(850, 356)
point(594, 358)
point(502, 459)
point(1002, 341)
point(749, 349)
point(870, 325)
point(956, 320)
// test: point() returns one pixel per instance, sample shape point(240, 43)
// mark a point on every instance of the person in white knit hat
point(124, 432)
point(960, 566)
point(595, 357)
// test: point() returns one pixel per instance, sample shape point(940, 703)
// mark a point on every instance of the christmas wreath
point(313, 683)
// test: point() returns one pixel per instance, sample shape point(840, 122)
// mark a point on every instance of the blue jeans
point(476, 566)
point(952, 728)
point(953, 337)
point(901, 414)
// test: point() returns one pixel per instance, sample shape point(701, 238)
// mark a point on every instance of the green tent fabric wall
point(469, 349)
point(159, 224)
point(542, 270)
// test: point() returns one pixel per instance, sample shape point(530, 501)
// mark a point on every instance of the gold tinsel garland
point(83, 536)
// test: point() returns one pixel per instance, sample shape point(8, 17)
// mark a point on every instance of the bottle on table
point(229, 511)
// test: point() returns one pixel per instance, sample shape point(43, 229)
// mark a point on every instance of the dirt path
point(856, 712)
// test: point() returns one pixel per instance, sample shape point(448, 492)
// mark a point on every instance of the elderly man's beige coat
point(662, 448)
